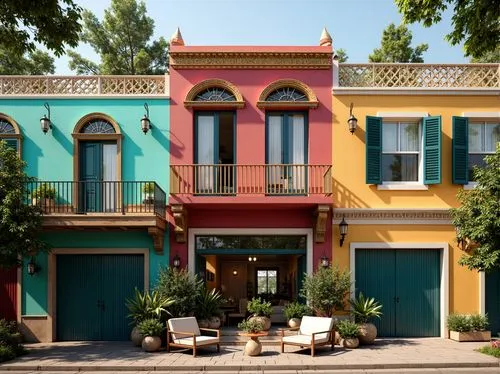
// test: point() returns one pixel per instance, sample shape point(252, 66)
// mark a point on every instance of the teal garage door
point(407, 283)
point(91, 294)
point(492, 294)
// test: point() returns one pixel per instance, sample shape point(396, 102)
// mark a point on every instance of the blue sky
point(355, 25)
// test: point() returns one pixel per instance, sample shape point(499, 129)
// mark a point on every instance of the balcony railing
point(82, 197)
point(419, 75)
point(231, 180)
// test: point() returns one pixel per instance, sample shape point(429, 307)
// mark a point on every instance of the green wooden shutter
point(373, 150)
point(460, 150)
point(432, 150)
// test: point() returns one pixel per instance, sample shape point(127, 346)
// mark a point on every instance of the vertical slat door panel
point(8, 294)
point(375, 277)
point(492, 294)
point(78, 316)
point(120, 275)
point(417, 292)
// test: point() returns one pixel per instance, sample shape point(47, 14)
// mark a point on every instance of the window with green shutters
point(403, 151)
point(473, 139)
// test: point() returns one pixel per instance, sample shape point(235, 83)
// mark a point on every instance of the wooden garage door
point(407, 283)
point(91, 294)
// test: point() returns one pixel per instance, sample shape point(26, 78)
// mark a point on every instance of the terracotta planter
point(294, 322)
point(47, 205)
point(214, 322)
point(266, 322)
point(203, 323)
point(470, 336)
point(367, 333)
point(350, 343)
point(136, 337)
point(151, 343)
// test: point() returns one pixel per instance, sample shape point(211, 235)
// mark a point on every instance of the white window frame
point(478, 117)
point(408, 117)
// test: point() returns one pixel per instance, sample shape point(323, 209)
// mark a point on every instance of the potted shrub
point(208, 308)
point(145, 305)
point(251, 326)
point(326, 290)
point(261, 311)
point(468, 328)
point(151, 329)
point(294, 312)
point(149, 190)
point(44, 196)
point(348, 331)
point(363, 309)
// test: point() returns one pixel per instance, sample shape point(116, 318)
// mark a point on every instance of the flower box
point(470, 336)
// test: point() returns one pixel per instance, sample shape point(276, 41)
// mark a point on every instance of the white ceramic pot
point(294, 322)
point(136, 337)
point(253, 347)
point(350, 343)
point(367, 333)
point(151, 343)
point(214, 322)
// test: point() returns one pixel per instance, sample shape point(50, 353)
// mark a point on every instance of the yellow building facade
point(401, 246)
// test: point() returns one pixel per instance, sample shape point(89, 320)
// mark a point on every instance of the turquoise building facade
point(107, 231)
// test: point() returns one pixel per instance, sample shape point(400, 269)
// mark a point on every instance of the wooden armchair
point(185, 333)
point(312, 333)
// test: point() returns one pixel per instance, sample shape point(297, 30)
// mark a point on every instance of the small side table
point(253, 346)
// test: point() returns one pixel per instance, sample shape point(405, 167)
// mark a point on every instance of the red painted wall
point(8, 293)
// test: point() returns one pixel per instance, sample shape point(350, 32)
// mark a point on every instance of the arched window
point(287, 94)
point(9, 132)
point(215, 94)
point(98, 126)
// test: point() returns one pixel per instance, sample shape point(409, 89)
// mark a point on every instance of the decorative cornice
point(392, 216)
point(208, 83)
point(250, 60)
point(312, 100)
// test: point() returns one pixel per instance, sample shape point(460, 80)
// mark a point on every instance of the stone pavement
point(400, 355)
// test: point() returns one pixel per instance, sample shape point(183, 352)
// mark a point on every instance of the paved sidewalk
point(426, 353)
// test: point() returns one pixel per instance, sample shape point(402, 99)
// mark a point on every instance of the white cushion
point(304, 339)
point(310, 325)
point(185, 324)
point(200, 340)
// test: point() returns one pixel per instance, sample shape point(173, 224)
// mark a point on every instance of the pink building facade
point(250, 164)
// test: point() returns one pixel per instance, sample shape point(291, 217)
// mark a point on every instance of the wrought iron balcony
point(233, 180)
point(83, 197)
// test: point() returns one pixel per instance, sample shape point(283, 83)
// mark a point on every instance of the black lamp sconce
point(176, 262)
point(352, 121)
point(33, 267)
point(343, 230)
point(45, 123)
point(145, 122)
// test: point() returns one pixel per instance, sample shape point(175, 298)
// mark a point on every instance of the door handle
point(396, 299)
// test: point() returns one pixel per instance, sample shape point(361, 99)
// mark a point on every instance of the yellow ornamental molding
point(250, 60)
point(312, 100)
point(219, 83)
point(392, 216)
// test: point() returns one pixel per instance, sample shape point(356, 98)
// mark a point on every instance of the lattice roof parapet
point(96, 85)
point(381, 75)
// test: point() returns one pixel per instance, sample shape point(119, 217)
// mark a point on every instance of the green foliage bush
point(10, 338)
point(146, 305)
point(260, 308)
point(326, 290)
point(150, 327)
point(347, 329)
point(363, 308)
point(490, 350)
point(181, 286)
point(296, 310)
point(251, 325)
point(44, 191)
point(208, 304)
point(465, 322)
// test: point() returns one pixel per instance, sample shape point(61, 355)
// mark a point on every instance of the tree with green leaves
point(31, 63)
point(475, 22)
point(396, 46)
point(488, 57)
point(477, 220)
point(24, 23)
point(341, 55)
point(20, 223)
point(122, 40)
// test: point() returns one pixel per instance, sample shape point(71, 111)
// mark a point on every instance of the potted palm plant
point(261, 311)
point(294, 312)
point(149, 190)
point(349, 332)
point(208, 308)
point(151, 329)
point(363, 309)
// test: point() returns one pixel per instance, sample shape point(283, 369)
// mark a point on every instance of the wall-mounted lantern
point(343, 230)
point(45, 123)
point(33, 267)
point(176, 262)
point(352, 121)
point(145, 122)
